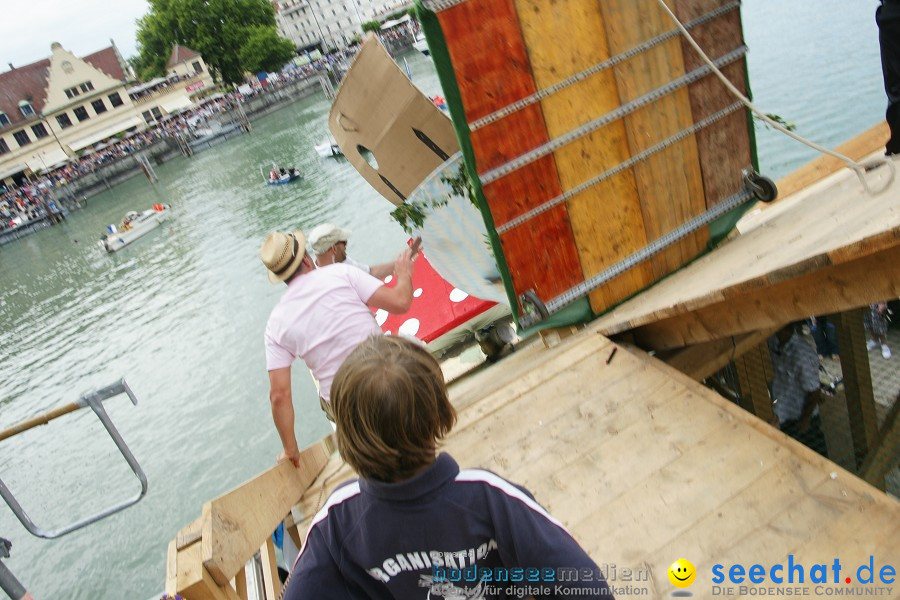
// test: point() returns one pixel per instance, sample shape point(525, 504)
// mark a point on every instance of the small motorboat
point(282, 176)
point(135, 225)
point(328, 147)
point(420, 44)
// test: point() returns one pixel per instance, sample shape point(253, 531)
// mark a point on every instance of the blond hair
point(390, 407)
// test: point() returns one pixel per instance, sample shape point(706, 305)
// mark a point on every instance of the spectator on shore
point(876, 324)
point(795, 388)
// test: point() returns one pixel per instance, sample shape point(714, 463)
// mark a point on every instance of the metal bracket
point(94, 400)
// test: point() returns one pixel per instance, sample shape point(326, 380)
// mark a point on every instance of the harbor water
point(180, 313)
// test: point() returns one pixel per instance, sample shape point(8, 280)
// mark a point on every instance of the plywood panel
point(832, 236)
point(564, 39)
point(669, 183)
point(645, 465)
point(724, 147)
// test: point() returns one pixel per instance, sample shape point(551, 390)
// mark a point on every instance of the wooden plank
point(834, 223)
point(193, 581)
point(189, 534)
point(540, 253)
point(240, 585)
point(857, 375)
point(825, 290)
point(237, 523)
point(644, 464)
point(271, 582)
point(858, 148)
point(724, 147)
point(702, 360)
point(885, 449)
point(564, 39)
point(669, 183)
point(171, 585)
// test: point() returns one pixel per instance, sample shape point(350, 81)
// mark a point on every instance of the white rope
point(858, 168)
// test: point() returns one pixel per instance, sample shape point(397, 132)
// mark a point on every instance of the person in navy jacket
point(415, 526)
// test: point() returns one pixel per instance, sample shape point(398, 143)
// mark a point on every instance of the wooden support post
point(884, 450)
point(236, 523)
point(702, 360)
point(240, 584)
point(753, 381)
point(271, 583)
point(857, 382)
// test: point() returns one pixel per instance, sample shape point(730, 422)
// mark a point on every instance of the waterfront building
point(329, 24)
point(55, 108)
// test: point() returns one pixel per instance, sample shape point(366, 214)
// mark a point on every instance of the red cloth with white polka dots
point(437, 306)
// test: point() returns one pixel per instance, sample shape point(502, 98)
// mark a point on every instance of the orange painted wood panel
point(564, 39)
point(492, 70)
point(670, 182)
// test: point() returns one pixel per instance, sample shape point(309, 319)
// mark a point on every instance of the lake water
point(180, 314)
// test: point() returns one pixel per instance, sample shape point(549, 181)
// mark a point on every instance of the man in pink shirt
point(321, 318)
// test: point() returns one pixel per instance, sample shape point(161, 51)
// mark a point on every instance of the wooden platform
point(645, 466)
point(825, 249)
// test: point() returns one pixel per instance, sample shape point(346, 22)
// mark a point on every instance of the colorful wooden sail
point(598, 141)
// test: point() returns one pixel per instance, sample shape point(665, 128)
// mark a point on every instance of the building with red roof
point(54, 108)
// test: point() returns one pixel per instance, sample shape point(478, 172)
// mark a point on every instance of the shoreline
point(72, 196)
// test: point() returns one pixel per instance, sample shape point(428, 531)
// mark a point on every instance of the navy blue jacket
point(444, 533)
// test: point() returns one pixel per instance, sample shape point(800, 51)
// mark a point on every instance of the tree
point(265, 50)
point(217, 29)
point(371, 26)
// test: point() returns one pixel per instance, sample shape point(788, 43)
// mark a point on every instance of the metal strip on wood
point(654, 247)
point(625, 109)
point(684, 133)
point(601, 66)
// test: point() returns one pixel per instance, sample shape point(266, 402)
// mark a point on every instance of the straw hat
point(326, 235)
point(282, 254)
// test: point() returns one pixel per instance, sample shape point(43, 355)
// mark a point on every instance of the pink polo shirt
point(321, 318)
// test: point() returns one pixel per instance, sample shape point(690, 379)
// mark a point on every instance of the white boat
point(328, 147)
point(134, 226)
point(420, 44)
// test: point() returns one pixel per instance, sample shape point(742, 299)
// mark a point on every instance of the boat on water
point(281, 176)
point(134, 226)
point(328, 147)
point(421, 44)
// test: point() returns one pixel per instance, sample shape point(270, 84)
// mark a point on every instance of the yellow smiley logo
point(682, 573)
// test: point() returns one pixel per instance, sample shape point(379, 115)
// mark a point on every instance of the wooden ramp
point(825, 249)
point(646, 466)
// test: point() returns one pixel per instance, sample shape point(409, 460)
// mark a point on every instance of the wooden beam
point(814, 288)
point(702, 360)
point(755, 384)
point(236, 524)
point(271, 582)
point(885, 449)
point(857, 382)
point(193, 581)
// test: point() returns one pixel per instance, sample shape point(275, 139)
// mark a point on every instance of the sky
point(81, 26)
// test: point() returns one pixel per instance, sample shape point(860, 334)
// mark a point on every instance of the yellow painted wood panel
point(670, 183)
point(563, 39)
